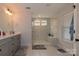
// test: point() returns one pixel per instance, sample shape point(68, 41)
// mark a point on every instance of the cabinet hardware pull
point(0, 50)
point(13, 44)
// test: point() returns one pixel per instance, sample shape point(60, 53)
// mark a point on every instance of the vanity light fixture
point(8, 11)
point(39, 16)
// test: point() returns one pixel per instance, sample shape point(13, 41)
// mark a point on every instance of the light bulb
point(8, 12)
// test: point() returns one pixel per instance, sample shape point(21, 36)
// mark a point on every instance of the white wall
point(78, 25)
point(54, 27)
point(22, 23)
point(77, 35)
point(77, 21)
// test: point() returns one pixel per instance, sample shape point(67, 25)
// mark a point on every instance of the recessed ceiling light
point(28, 8)
point(48, 4)
point(39, 16)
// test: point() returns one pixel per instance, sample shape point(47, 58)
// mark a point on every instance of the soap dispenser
point(3, 33)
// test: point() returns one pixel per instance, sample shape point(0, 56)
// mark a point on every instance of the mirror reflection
point(6, 21)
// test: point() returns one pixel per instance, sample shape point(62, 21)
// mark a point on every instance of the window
point(36, 23)
point(39, 23)
point(43, 23)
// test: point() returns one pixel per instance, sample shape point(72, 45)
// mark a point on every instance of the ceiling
point(48, 10)
point(44, 9)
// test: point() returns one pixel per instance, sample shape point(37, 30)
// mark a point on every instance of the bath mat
point(38, 47)
point(61, 50)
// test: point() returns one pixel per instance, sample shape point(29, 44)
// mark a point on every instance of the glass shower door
point(40, 30)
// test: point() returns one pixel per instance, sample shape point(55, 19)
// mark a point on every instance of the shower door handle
point(74, 31)
point(50, 35)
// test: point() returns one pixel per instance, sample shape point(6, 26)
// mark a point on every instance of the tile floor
point(50, 51)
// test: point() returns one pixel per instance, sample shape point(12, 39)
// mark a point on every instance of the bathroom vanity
point(9, 44)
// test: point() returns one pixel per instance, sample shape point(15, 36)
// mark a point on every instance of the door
point(40, 30)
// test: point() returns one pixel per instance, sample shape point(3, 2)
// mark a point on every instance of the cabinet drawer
point(4, 41)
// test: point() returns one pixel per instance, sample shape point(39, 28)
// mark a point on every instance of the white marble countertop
point(9, 35)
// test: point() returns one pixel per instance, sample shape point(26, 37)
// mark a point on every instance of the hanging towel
point(72, 29)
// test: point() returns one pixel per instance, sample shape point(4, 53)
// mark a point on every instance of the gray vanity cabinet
point(9, 46)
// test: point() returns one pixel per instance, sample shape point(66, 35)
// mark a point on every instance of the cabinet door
point(4, 41)
point(18, 41)
point(4, 51)
point(15, 44)
point(12, 46)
